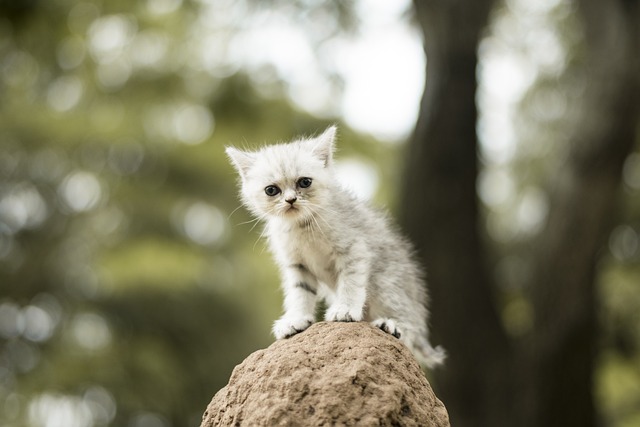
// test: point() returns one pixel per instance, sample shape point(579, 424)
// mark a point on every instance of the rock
point(333, 373)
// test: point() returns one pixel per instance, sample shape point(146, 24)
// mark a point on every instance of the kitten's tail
point(427, 355)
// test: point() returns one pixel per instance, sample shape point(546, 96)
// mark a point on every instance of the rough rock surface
point(344, 374)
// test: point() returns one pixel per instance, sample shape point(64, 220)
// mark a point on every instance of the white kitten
point(331, 246)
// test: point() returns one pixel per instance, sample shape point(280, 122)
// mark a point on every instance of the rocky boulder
point(331, 374)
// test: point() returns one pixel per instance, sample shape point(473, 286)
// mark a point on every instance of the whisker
point(233, 211)
point(264, 230)
point(315, 220)
point(322, 208)
point(257, 220)
point(324, 220)
point(248, 222)
point(312, 228)
point(314, 213)
point(258, 239)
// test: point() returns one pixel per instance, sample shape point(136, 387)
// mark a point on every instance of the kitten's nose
point(291, 200)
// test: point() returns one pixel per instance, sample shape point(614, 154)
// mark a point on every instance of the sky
point(382, 65)
point(384, 70)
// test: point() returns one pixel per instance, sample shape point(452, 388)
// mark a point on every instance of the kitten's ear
point(241, 160)
point(325, 145)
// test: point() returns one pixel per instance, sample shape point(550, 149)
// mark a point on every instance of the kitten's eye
point(271, 190)
point(304, 182)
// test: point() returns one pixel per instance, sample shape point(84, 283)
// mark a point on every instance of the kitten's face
point(287, 181)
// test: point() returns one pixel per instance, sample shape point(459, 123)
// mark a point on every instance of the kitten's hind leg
point(388, 326)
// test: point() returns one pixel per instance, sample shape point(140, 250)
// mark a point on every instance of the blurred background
point(131, 283)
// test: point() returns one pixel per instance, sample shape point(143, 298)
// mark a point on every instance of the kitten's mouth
point(295, 213)
point(290, 210)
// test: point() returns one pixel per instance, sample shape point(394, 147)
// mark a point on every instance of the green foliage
point(130, 285)
point(514, 186)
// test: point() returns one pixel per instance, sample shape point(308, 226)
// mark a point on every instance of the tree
point(124, 300)
point(116, 205)
point(546, 377)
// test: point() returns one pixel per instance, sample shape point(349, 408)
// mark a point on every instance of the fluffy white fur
point(331, 246)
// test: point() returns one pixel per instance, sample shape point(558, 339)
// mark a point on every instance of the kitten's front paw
point(388, 326)
point(343, 313)
point(289, 326)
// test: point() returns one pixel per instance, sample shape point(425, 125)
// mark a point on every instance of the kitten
point(331, 246)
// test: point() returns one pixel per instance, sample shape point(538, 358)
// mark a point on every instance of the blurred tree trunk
point(440, 212)
point(489, 380)
point(583, 197)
